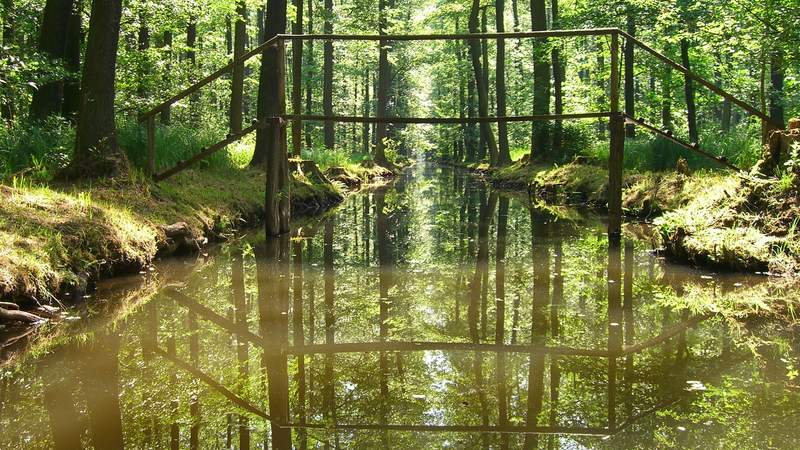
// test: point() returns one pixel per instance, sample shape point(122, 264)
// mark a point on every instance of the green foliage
point(42, 147)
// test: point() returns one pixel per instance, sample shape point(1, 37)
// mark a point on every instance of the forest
point(499, 199)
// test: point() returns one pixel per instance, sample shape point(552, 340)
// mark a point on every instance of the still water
point(432, 313)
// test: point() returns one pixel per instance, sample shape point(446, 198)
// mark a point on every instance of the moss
point(54, 237)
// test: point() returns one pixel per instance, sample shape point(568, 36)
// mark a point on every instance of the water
point(396, 323)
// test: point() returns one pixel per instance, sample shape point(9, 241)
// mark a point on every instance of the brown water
point(433, 313)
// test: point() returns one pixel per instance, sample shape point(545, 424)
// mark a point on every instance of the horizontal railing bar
point(713, 88)
point(359, 347)
point(452, 37)
point(445, 120)
point(520, 429)
point(686, 145)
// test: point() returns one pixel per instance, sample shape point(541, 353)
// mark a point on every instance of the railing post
point(151, 145)
point(617, 148)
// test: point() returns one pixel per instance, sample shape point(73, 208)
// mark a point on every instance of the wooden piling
point(617, 144)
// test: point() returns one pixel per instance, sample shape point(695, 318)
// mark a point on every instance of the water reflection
point(449, 316)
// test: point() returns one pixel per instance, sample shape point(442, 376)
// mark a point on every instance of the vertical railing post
point(617, 148)
point(151, 145)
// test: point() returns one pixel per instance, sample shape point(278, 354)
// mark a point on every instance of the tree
point(504, 156)
point(384, 74)
point(270, 148)
point(475, 51)
point(72, 63)
point(540, 142)
point(96, 149)
point(237, 81)
point(327, 75)
point(630, 129)
point(53, 38)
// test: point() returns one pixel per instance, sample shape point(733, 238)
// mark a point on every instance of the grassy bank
point(718, 220)
point(56, 239)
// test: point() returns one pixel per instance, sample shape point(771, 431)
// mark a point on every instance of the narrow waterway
point(431, 313)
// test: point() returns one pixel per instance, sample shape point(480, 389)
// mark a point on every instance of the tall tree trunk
point(309, 72)
point(229, 34)
point(297, 76)
point(666, 100)
point(237, 80)
point(472, 148)
point(260, 18)
point(504, 155)
point(485, 67)
point(53, 37)
point(367, 110)
point(166, 114)
point(143, 39)
point(776, 75)
point(384, 75)
point(327, 75)
point(540, 142)
point(630, 102)
point(558, 79)
point(7, 105)
point(688, 87)
point(270, 150)
point(72, 62)
point(191, 55)
point(8, 22)
point(601, 87)
point(96, 150)
point(487, 135)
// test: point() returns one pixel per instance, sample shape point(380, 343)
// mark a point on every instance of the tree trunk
point(8, 22)
point(297, 76)
point(486, 133)
point(270, 141)
point(72, 62)
point(601, 88)
point(666, 100)
point(688, 86)
point(166, 114)
point(237, 80)
point(327, 75)
point(143, 39)
point(96, 150)
point(310, 76)
point(504, 155)
point(53, 38)
point(260, 17)
point(367, 110)
point(541, 81)
point(191, 55)
point(558, 80)
point(776, 75)
point(471, 112)
point(630, 103)
point(229, 34)
point(384, 75)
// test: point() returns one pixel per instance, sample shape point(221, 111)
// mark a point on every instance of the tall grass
point(178, 142)
point(44, 147)
point(741, 146)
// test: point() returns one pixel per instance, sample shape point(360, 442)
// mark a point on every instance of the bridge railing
point(616, 115)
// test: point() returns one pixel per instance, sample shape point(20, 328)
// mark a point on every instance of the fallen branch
point(7, 315)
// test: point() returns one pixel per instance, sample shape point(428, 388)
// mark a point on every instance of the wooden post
point(615, 159)
point(151, 145)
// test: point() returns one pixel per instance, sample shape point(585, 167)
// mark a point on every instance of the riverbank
point(716, 220)
point(57, 240)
